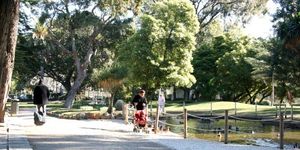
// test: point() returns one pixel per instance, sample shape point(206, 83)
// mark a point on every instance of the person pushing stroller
point(139, 102)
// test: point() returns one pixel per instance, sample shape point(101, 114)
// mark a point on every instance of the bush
point(264, 103)
point(119, 104)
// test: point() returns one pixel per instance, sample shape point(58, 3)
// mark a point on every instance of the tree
point(229, 69)
point(111, 80)
point(260, 58)
point(286, 54)
point(208, 11)
point(27, 62)
point(160, 52)
point(225, 11)
point(205, 67)
point(9, 17)
point(77, 38)
point(287, 24)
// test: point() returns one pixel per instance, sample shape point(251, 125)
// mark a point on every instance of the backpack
point(39, 118)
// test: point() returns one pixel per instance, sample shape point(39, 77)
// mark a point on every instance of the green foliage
point(286, 51)
point(62, 23)
point(288, 18)
point(266, 103)
point(159, 54)
point(224, 67)
point(26, 63)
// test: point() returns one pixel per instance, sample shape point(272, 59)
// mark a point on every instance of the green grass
point(51, 104)
point(218, 108)
point(204, 108)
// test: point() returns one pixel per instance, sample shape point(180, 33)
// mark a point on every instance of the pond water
point(242, 132)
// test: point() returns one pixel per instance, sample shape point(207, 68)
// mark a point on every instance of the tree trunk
point(111, 103)
point(76, 86)
point(9, 18)
point(174, 93)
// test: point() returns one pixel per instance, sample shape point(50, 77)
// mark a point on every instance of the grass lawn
point(218, 108)
point(204, 108)
point(52, 104)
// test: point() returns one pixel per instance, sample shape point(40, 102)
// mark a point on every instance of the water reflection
point(243, 132)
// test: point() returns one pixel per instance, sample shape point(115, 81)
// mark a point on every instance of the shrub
point(264, 103)
point(119, 104)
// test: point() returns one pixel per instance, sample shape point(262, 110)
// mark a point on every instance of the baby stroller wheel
point(134, 129)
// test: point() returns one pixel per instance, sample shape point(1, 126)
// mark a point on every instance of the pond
point(241, 132)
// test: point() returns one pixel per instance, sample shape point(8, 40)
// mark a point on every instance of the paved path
point(63, 134)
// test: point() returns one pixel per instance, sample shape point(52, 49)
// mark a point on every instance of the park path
point(64, 134)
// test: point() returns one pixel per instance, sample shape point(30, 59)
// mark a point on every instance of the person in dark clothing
point(139, 101)
point(40, 96)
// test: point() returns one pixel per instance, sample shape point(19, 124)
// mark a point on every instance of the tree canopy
point(77, 36)
point(160, 52)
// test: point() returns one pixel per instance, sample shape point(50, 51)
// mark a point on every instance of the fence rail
point(226, 130)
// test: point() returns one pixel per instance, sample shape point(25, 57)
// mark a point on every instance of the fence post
point(276, 112)
point(281, 128)
point(125, 113)
point(285, 111)
point(235, 108)
point(292, 115)
point(211, 112)
point(256, 108)
point(279, 110)
point(185, 123)
point(151, 108)
point(226, 127)
point(156, 120)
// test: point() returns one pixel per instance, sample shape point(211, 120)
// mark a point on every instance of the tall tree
point(237, 12)
point(286, 54)
point(160, 52)
point(229, 69)
point(207, 11)
point(77, 34)
point(9, 18)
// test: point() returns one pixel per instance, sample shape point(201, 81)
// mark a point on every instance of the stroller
point(140, 121)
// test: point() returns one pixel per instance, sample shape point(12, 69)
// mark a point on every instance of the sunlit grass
point(218, 108)
point(51, 104)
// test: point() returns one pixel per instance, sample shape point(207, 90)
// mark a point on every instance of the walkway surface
point(63, 134)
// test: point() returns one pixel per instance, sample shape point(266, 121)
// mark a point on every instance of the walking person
point(40, 96)
point(161, 103)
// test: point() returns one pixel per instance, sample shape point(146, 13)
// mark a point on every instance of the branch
point(92, 38)
point(203, 8)
point(210, 19)
point(207, 13)
point(56, 42)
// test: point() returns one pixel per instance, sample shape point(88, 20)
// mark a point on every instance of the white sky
point(261, 25)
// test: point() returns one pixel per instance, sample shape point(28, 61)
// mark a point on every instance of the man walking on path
point(41, 96)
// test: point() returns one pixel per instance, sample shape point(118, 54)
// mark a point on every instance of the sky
point(261, 25)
